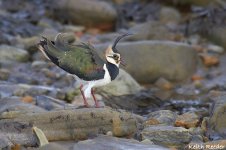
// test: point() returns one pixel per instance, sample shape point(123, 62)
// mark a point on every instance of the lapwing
point(81, 60)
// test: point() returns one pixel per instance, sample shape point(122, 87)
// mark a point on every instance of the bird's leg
point(94, 98)
point(83, 96)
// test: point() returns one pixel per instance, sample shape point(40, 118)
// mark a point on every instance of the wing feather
point(80, 59)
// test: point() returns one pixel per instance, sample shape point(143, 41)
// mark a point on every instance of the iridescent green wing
point(80, 59)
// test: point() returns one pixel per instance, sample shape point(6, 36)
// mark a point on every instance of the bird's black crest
point(117, 40)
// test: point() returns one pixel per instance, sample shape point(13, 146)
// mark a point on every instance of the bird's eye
point(115, 57)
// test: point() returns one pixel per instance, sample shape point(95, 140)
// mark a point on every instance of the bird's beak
point(122, 62)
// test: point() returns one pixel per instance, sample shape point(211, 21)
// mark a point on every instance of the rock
point(169, 15)
point(218, 36)
point(217, 122)
point(215, 48)
point(141, 103)
point(5, 143)
point(163, 84)
point(180, 60)
point(187, 120)
point(9, 54)
point(38, 65)
point(52, 146)
point(78, 124)
point(85, 12)
point(19, 134)
point(73, 29)
point(11, 104)
point(9, 89)
point(120, 2)
point(49, 103)
point(113, 143)
point(4, 74)
point(29, 43)
point(165, 117)
point(167, 135)
point(150, 31)
point(209, 60)
point(124, 84)
point(193, 2)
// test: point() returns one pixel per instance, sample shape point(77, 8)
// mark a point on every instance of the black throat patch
point(113, 70)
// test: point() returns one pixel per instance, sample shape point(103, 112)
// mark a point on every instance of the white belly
point(88, 85)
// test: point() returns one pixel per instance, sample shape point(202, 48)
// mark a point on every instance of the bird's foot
point(97, 105)
point(86, 105)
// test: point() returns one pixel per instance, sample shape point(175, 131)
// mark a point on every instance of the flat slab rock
point(77, 124)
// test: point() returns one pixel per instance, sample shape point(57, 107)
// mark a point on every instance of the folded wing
point(79, 59)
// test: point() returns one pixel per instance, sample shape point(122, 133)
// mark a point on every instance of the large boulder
point(86, 12)
point(148, 60)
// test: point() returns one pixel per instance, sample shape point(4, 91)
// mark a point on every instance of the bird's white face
point(112, 57)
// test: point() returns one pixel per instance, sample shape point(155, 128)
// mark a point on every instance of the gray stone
point(86, 12)
point(4, 74)
point(150, 31)
point(5, 143)
point(49, 103)
point(10, 54)
point(7, 90)
point(29, 43)
point(52, 146)
point(193, 2)
point(113, 143)
point(166, 117)
point(167, 135)
point(124, 84)
point(148, 60)
point(169, 15)
point(217, 121)
point(15, 104)
point(39, 64)
point(218, 36)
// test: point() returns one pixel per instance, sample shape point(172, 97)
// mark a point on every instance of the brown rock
point(187, 120)
point(27, 99)
point(209, 60)
point(164, 84)
point(151, 121)
point(196, 77)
